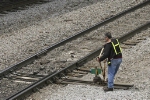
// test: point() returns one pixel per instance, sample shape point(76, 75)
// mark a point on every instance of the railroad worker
point(112, 52)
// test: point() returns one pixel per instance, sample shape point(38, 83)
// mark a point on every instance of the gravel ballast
point(18, 45)
point(35, 29)
point(134, 69)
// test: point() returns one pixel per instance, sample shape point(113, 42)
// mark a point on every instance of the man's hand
point(97, 59)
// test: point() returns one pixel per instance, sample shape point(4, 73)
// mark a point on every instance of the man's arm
point(106, 52)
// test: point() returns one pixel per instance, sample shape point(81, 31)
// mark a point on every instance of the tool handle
point(101, 52)
point(104, 71)
point(99, 57)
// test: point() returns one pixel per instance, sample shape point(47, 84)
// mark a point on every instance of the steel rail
point(48, 49)
point(52, 78)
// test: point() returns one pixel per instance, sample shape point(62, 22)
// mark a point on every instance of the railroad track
point(50, 64)
point(13, 5)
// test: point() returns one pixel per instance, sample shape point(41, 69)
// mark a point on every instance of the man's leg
point(112, 70)
point(111, 73)
point(118, 62)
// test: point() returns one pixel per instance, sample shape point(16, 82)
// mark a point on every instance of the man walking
point(112, 51)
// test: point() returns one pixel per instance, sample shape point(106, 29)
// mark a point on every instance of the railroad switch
point(97, 78)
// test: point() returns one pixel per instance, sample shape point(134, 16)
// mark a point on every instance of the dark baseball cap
point(108, 34)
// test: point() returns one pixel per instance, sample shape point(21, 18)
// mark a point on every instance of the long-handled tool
point(98, 71)
point(99, 57)
point(103, 69)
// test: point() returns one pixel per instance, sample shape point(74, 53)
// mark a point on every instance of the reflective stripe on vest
point(115, 47)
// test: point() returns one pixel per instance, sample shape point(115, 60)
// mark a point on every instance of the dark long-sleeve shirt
point(109, 52)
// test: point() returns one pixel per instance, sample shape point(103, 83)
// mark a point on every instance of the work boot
point(106, 89)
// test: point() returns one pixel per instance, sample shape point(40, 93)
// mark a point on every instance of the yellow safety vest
point(116, 47)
